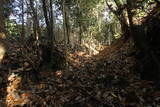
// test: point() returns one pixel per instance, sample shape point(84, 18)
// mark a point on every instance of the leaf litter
point(103, 80)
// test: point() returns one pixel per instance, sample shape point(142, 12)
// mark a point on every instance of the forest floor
point(103, 80)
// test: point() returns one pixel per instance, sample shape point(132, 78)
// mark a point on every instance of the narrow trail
point(106, 79)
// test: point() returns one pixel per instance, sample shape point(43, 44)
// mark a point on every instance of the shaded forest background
point(89, 52)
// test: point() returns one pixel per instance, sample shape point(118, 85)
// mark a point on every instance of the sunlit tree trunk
point(121, 17)
point(2, 31)
point(130, 17)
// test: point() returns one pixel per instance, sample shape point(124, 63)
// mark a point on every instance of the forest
point(79, 53)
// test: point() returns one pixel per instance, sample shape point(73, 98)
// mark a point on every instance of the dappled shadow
point(2, 52)
point(3, 82)
point(3, 69)
point(14, 95)
point(105, 79)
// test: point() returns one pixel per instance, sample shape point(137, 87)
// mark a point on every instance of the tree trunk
point(2, 18)
point(48, 14)
point(51, 18)
point(46, 19)
point(122, 19)
point(36, 27)
point(23, 29)
point(66, 21)
point(3, 43)
point(80, 34)
point(130, 17)
point(80, 25)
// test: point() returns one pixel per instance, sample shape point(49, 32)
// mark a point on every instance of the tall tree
point(36, 27)
point(119, 13)
point(80, 23)
point(2, 18)
point(48, 14)
point(2, 31)
point(65, 5)
point(22, 18)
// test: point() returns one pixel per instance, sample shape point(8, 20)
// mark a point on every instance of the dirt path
point(106, 79)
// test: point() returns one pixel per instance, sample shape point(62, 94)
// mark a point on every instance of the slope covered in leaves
point(106, 79)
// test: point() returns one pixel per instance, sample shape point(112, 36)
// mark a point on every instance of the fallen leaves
point(102, 80)
point(14, 98)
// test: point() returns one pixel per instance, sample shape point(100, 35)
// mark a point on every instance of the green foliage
point(89, 15)
point(85, 14)
point(12, 28)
